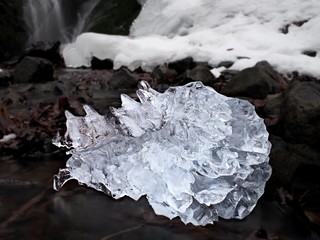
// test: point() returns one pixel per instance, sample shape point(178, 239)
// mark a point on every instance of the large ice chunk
point(194, 153)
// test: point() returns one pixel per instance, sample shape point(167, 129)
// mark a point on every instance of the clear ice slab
point(195, 154)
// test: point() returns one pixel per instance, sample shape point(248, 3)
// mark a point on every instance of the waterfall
point(47, 20)
point(44, 20)
point(84, 20)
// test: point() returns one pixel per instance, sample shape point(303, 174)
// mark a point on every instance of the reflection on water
point(31, 209)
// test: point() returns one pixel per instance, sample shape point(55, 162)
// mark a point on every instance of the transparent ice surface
point(194, 153)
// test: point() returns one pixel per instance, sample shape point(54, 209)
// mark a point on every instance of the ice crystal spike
point(194, 153)
point(61, 178)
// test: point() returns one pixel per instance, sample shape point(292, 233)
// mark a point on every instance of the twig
point(24, 209)
point(122, 232)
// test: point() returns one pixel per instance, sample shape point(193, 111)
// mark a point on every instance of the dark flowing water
point(31, 209)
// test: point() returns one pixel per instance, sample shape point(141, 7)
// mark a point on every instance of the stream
point(31, 209)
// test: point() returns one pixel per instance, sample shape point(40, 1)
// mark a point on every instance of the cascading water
point(50, 20)
point(44, 19)
point(84, 20)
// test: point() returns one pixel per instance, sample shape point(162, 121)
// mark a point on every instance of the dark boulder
point(310, 53)
point(225, 64)
point(271, 113)
point(180, 66)
point(301, 113)
point(33, 70)
point(273, 105)
point(199, 73)
point(163, 74)
point(47, 50)
point(255, 82)
point(122, 79)
point(96, 63)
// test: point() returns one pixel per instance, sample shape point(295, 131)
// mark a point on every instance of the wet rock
point(12, 98)
point(285, 28)
point(46, 50)
point(65, 86)
point(273, 104)
point(282, 167)
point(255, 82)
point(271, 112)
point(310, 53)
point(225, 64)
point(96, 63)
point(301, 113)
point(33, 70)
point(182, 65)
point(242, 57)
point(122, 79)
point(5, 78)
point(227, 74)
point(199, 73)
point(163, 74)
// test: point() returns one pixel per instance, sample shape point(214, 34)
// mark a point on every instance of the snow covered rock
point(211, 31)
point(194, 153)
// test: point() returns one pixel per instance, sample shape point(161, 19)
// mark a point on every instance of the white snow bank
point(217, 71)
point(211, 31)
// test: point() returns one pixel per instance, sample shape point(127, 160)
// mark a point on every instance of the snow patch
point(7, 138)
point(217, 71)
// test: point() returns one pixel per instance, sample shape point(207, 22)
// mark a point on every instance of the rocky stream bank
point(37, 89)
